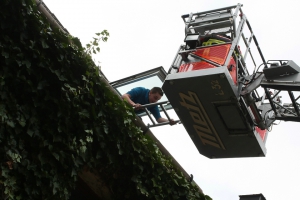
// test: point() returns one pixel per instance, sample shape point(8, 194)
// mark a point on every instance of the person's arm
point(127, 97)
point(155, 112)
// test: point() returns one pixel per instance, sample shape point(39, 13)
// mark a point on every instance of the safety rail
point(212, 23)
point(161, 104)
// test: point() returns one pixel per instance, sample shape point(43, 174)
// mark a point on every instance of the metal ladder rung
point(218, 10)
point(216, 25)
point(212, 18)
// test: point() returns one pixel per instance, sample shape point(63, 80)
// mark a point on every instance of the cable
point(259, 67)
point(267, 113)
point(278, 123)
point(271, 127)
point(254, 74)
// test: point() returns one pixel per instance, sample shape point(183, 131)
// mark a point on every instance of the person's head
point(155, 94)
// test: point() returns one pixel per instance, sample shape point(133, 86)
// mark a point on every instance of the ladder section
point(211, 21)
point(163, 106)
point(224, 38)
point(209, 80)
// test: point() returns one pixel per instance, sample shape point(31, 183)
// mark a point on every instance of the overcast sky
point(147, 34)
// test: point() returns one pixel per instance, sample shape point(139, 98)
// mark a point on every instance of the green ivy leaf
point(10, 123)
point(44, 44)
point(5, 54)
point(59, 117)
point(56, 156)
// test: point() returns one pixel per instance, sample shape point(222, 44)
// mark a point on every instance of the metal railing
point(161, 105)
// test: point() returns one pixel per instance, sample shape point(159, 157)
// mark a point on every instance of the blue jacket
point(141, 95)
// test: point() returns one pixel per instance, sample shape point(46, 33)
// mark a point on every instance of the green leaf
point(27, 63)
point(74, 173)
point(83, 149)
point(10, 123)
point(44, 44)
point(22, 122)
point(42, 84)
point(89, 131)
point(84, 113)
point(5, 54)
point(105, 129)
point(42, 158)
point(175, 181)
point(56, 156)
point(91, 92)
point(89, 139)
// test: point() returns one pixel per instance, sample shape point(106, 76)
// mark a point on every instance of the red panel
point(195, 66)
point(262, 133)
point(232, 69)
point(204, 65)
point(216, 54)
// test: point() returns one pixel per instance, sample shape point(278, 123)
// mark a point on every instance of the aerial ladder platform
point(213, 93)
point(226, 95)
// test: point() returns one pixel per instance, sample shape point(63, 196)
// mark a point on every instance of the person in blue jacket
point(139, 96)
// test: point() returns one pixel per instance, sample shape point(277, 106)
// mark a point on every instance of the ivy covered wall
point(58, 117)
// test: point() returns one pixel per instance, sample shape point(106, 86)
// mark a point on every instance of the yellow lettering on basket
point(202, 124)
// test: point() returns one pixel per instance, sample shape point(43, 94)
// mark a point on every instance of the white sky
point(147, 34)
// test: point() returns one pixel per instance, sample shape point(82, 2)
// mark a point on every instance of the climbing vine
point(57, 116)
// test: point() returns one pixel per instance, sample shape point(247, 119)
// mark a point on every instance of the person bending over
point(139, 96)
